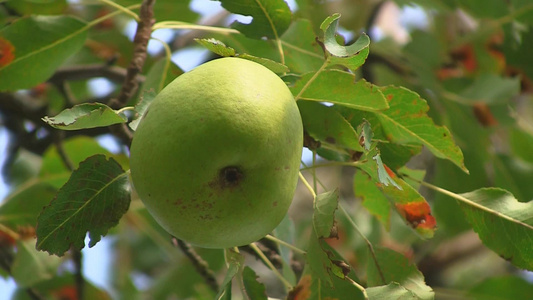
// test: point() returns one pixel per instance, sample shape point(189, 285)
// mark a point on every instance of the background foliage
point(416, 184)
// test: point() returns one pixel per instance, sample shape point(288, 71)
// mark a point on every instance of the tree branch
point(140, 42)
point(81, 72)
point(130, 85)
point(201, 265)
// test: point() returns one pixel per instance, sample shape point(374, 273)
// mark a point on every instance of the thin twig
point(58, 142)
point(368, 243)
point(76, 253)
point(77, 258)
point(201, 265)
point(260, 253)
point(281, 242)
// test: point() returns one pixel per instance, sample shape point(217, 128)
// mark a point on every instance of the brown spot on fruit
point(228, 177)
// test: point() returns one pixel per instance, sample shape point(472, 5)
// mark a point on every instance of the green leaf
point(221, 49)
point(83, 116)
point(323, 275)
point(141, 107)
point(384, 173)
point(326, 125)
point(373, 198)
point(340, 88)
point(397, 268)
point(28, 61)
point(406, 122)
point(352, 56)
point(254, 289)
point(302, 52)
point(495, 212)
point(392, 290)
point(325, 205)
point(32, 7)
point(93, 200)
point(31, 266)
point(270, 17)
point(61, 285)
point(235, 262)
point(492, 89)
point(514, 176)
point(285, 231)
point(168, 10)
point(217, 47)
point(411, 206)
point(22, 206)
point(521, 143)
point(502, 288)
point(160, 75)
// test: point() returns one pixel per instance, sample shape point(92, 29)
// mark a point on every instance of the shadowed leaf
point(496, 212)
point(93, 200)
point(325, 206)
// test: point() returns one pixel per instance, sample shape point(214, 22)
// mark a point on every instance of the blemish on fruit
point(227, 178)
point(389, 97)
point(275, 203)
point(7, 52)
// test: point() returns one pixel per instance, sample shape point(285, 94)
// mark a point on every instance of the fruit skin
point(216, 157)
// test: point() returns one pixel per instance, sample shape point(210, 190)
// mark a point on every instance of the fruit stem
point(260, 253)
point(281, 242)
point(307, 185)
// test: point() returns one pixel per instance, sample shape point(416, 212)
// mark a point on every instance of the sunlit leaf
point(141, 107)
point(406, 122)
point(87, 115)
point(496, 212)
point(270, 17)
point(93, 200)
point(391, 291)
point(302, 52)
point(340, 88)
point(352, 56)
point(221, 49)
point(27, 61)
point(395, 267)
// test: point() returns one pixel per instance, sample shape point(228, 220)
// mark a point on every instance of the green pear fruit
point(216, 157)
